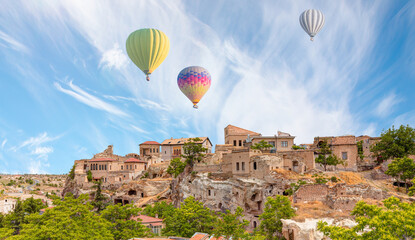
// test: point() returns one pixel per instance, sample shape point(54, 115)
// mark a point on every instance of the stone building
point(7, 205)
point(237, 136)
point(155, 224)
point(281, 142)
point(150, 148)
point(172, 148)
point(110, 168)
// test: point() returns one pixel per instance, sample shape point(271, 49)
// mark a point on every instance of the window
point(135, 166)
point(110, 167)
point(344, 155)
point(284, 144)
point(122, 167)
point(157, 150)
point(234, 142)
point(150, 150)
point(272, 143)
point(254, 165)
point(237, 166)
point(243, 166)
point(105, 167)
point(99, 167)
point(209, 192)
point(240, 142)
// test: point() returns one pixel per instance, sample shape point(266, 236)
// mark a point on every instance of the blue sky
point(68, 88)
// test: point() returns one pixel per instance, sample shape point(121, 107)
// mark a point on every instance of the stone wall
point(340, 196)
point(311, 192)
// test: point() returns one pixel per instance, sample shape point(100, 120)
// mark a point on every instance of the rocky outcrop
point(221, 192)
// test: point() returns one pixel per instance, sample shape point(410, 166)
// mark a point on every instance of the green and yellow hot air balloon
point(148, 48)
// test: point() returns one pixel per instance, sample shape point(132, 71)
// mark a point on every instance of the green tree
point(262, 145)
point(100, 201)
point(231, 225)
point(411, 190)
point(191, 217)
point(326, 157)
point(295, 147)
point(193, 151)
point(402, 168)
point(276, 208)
point(176, 167)
point(395, 143)
point(159, 209)
point(69, 219)
point(89, 175)
point(295, 186)
point(72, 172)
point(394, 221)
point(360, 150)
point(15, 219)
point(122, 226)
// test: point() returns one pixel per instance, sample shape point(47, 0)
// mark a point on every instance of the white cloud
point(89, 99)
point(42, 150)
point(113, 58)
point(8, 41)
point(3, 143)
point(36, 141)
point(140, 130)
point(385, 107)
point(268, 79)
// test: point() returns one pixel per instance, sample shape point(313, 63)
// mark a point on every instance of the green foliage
point(262, 145)
point(145, 175)
point(89, 175)
point(360, 150)
point(122, 226)
point(15, 219)
point(159, 209)
point(334, 179)
point(69, 219)
point(11, 183)
point(191, 217)
point(321, 180)
point(99, 199)
point(72, 172)
point(395, 143)
point(176, 167)
point(411, 190)
point(402, 168)
point(295, 147)
point(276, 208)
point(29, 181)
point(193, 151)
point(325, 156)
point(231, 225)
point(394, 221)
point(295, 187)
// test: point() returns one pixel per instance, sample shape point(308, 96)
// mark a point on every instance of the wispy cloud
point(144, 103)
point(386, 105)
point(140, 130)
point(42, 150)
point(3, 143)
point(34, 153)
point(8, 41)
point(34, 142)
point(90, 100)
point(113, 58)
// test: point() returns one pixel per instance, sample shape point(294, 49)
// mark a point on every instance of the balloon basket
point(195, 106)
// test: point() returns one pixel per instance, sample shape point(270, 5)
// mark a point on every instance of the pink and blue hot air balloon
point(194, 82)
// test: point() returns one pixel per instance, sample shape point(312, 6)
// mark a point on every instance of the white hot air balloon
point(312, 21)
